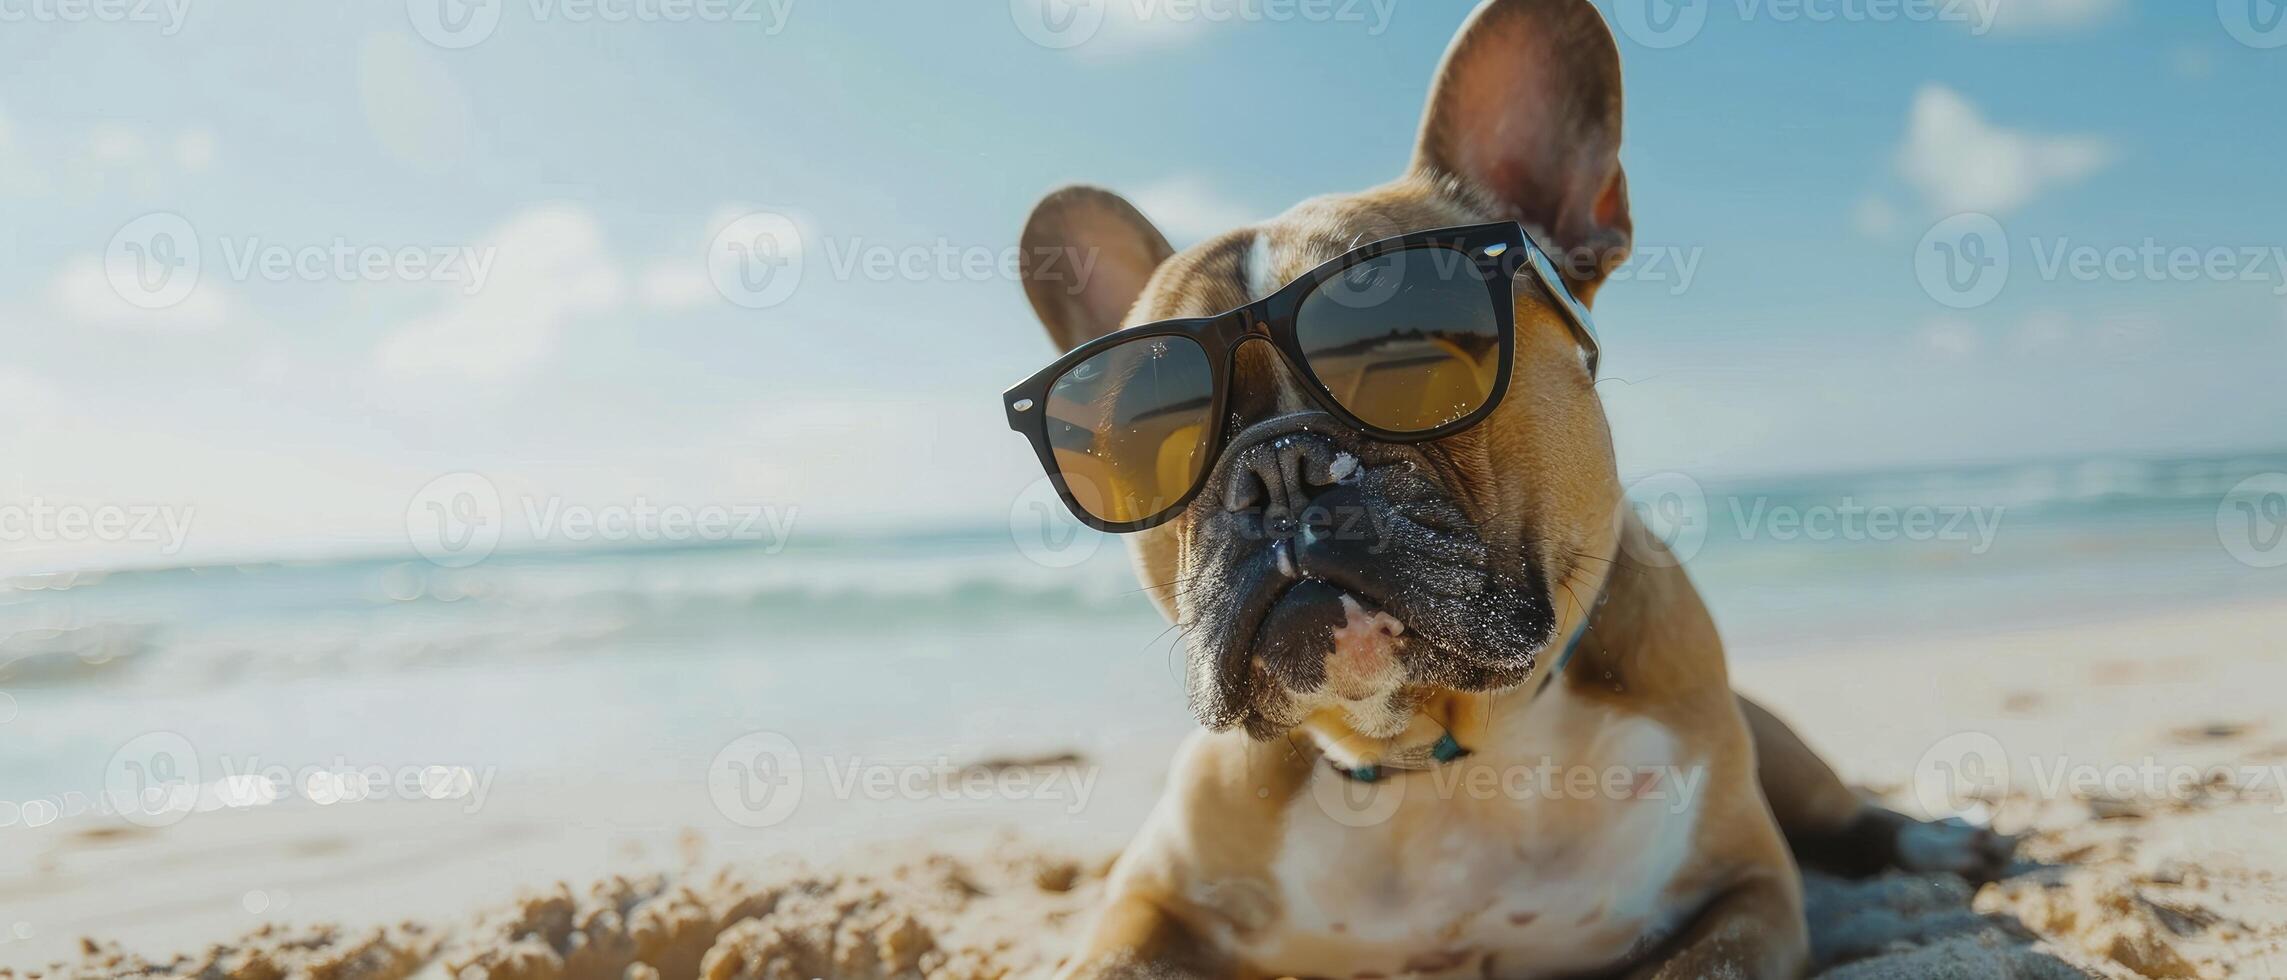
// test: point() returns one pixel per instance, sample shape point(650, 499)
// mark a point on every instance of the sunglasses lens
point(1407, 342)
point(1129, 427)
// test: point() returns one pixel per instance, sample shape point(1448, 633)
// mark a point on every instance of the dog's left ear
point(1086, 256)
point(1526, 108)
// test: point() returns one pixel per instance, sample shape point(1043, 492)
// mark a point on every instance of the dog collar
point(1449, 748)
point(1571, 646)
point(1446, 750)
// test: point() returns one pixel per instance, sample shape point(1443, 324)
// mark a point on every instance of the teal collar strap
point(1449, 748)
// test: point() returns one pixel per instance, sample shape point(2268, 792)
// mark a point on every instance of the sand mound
point(2083, 904)
point(1013, 915)
point(272, 953)
point(935, 917)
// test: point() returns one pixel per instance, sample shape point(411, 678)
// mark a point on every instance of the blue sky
point(1792, 164)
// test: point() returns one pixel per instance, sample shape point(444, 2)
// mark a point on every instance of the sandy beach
point(2142, 760)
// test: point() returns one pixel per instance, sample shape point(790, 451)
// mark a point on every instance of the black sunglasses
point(1407, 339)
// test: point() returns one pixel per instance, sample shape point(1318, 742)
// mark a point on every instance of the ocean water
point(639, 666)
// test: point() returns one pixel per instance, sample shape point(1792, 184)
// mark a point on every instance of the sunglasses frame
point(1500, 251)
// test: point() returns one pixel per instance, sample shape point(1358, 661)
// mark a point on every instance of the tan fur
point(1222, 880)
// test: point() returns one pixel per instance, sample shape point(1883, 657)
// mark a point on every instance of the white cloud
point(27, 399)
point(682, 283)
point(1187, 209)
point(550, 267)
point(104, 157)
point(1874, 217)
point(114, 145)
point(17, 178)
point(2044, 330)
point(83, 294)
point(2026, 16)
point(676, 284)
point(194, 149)
point(1960, 162)
point(1130, 29)
point(413, 106)
point(1952, 337)
point(272, 367)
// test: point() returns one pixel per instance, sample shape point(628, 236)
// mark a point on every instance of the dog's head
point(1321, 570)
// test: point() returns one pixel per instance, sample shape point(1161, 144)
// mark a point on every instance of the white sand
point(2144, 878)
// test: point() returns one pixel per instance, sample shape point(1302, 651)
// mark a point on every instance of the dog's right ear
point(1086, 256)
point(1526, 109)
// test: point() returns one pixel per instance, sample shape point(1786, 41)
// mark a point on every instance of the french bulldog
point(1498, 740)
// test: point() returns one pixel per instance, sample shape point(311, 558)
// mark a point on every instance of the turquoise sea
point(638, 665)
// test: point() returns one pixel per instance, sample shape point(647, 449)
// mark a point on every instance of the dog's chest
point(1504, 864)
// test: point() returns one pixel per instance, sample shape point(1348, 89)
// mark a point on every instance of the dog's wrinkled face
point(1321, 570)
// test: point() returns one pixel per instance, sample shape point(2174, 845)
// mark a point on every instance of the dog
point(1352, 805)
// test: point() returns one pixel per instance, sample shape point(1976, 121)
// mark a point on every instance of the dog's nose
point(1280, 476)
